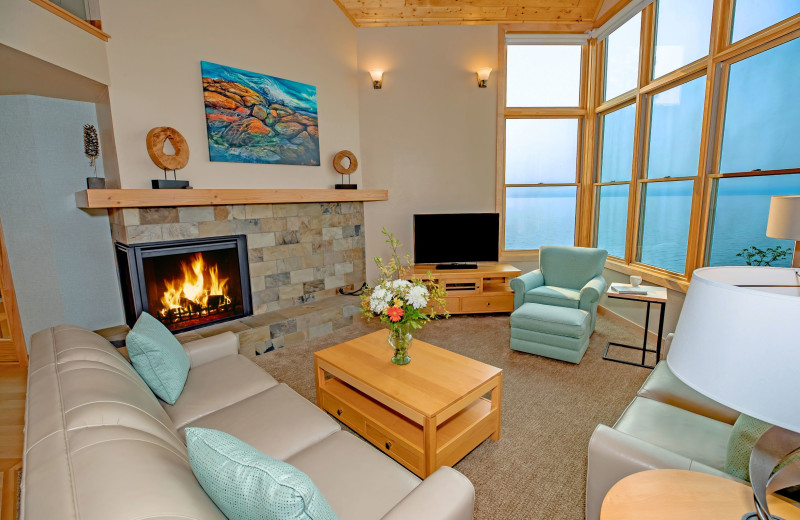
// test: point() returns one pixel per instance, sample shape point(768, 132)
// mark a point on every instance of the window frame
point(505, 113)
point(715, 67)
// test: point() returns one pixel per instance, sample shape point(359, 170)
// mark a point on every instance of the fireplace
point(186, 284)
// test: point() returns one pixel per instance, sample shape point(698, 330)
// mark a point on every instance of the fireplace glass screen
point(187, 284)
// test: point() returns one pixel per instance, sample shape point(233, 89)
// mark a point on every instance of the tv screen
point(456, 237)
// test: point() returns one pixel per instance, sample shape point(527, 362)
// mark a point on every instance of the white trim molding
point(616, 21)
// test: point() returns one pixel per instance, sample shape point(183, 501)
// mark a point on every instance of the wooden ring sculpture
point(155, 148)
point(339, 167)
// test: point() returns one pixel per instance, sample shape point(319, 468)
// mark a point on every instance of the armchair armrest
point(614, 455)
point(202, 351)
point(591, 292)
point(522, 284)
point(445, 495)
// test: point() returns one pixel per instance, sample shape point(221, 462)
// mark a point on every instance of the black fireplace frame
point(131, 271)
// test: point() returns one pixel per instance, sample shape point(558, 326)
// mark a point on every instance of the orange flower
point(395, 313)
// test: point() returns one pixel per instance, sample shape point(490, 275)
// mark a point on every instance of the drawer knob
point(339, 411)
point(488, 303)
point(388, 445)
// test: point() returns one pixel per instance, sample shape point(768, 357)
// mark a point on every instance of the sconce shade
point(784, 217)
point(483, 76)
point(377, 78)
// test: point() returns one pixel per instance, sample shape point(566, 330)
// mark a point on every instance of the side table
point(667, 494)
point(657, 295)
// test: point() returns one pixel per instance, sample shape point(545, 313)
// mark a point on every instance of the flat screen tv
point(451, 238)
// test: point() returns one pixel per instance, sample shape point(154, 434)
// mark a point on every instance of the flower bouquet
point(405, 304)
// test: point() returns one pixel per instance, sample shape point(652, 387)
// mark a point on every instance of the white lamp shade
point(376, 75)
point(484, 73)
point(784, 217)
point(740, 346)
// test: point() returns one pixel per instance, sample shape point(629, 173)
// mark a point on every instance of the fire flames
point(200, 290)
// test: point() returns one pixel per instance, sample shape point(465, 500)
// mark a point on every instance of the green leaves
point(756, 256)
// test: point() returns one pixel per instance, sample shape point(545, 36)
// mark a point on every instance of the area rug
point(537, 470)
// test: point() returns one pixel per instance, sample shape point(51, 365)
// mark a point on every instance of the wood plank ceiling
point(379, 13)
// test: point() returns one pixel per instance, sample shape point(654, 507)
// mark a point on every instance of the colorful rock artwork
point(254, 118)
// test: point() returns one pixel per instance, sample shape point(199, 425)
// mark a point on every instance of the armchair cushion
point(550, 295)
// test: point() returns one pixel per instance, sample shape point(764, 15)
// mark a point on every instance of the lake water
point(740, 220)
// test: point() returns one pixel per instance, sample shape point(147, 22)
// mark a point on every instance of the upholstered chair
point(567, 277)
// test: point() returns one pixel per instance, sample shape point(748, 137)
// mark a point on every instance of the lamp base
point(774, 447)
point(754, 516)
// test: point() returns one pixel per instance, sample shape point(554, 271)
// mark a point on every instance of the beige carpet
point(538, 468)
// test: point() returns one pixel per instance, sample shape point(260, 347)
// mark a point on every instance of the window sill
point(652, 275)
point(71, 18)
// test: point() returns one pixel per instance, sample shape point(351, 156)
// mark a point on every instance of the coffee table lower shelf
point(404, 439)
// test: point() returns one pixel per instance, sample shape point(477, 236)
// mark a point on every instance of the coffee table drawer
point(344, 413)
point(502, 303)
point(399, 450)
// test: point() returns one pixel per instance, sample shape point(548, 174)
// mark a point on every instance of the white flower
point(380, 293)
point(400, 284)
point(417, 296)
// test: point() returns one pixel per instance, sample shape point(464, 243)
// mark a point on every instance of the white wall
point(429, 134)
point(61, 258)
point(33, 30)
point(154, 57)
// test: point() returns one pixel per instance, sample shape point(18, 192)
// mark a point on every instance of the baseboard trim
point(634, 327)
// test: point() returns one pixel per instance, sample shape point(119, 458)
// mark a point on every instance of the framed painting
point(255, 118)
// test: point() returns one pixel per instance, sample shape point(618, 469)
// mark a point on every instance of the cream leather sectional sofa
point(100, 445)
point(668, 425)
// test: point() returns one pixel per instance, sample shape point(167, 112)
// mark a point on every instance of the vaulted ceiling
point(366, 13)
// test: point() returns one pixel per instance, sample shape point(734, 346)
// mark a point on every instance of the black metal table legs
point(643, 348)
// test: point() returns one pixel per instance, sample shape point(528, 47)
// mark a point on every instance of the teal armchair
point(567, 277)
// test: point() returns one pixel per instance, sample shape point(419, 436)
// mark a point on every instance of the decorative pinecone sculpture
point(91, 145)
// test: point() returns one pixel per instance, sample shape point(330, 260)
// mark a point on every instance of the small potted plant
point(405, 304)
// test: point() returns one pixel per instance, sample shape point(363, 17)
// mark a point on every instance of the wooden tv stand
point(481, 290)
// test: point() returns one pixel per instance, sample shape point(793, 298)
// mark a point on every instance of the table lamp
point(738, 342)
point(784, 221)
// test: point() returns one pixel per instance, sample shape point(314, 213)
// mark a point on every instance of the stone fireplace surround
point(300, 255)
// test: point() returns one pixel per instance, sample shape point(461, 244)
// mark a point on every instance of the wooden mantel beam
point(130, 198)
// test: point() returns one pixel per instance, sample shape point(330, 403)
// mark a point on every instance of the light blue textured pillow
point(246, 484)
point(158, 357)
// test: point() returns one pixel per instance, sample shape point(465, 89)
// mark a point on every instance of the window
point(750, 196)
point(616, 170)
point(528, 87)
point(676, 123)
point(751, 16)
point(622, 58)
point(762, 115)
point(542, 145)
point(687, 130)
point(683, 28)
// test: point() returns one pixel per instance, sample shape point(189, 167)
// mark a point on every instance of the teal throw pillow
point(246, 484)
point(746, 431)
point(158, 357)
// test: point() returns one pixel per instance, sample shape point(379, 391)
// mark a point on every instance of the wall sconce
point(377, 78)
point(483, 76)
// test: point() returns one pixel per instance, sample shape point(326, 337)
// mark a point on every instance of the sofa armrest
point(202, 351)
point(614, 455)
point(445, 495)
point(591, 292)
point(522, 284)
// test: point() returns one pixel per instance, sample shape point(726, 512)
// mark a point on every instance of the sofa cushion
point(278, 422)
point(550, 295)
point(342, 463)
point(685, 433)
point(158, 357)
point(549, 319)
point(215, 385)
point(249, 485)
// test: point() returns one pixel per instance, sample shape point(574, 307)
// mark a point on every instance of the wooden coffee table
point(426, 414)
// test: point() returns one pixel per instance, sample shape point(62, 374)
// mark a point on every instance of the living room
point(605, 125)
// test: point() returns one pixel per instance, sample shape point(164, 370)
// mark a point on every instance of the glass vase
point(400, 339)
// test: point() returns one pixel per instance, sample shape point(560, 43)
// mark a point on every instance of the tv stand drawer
point(502, 303)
